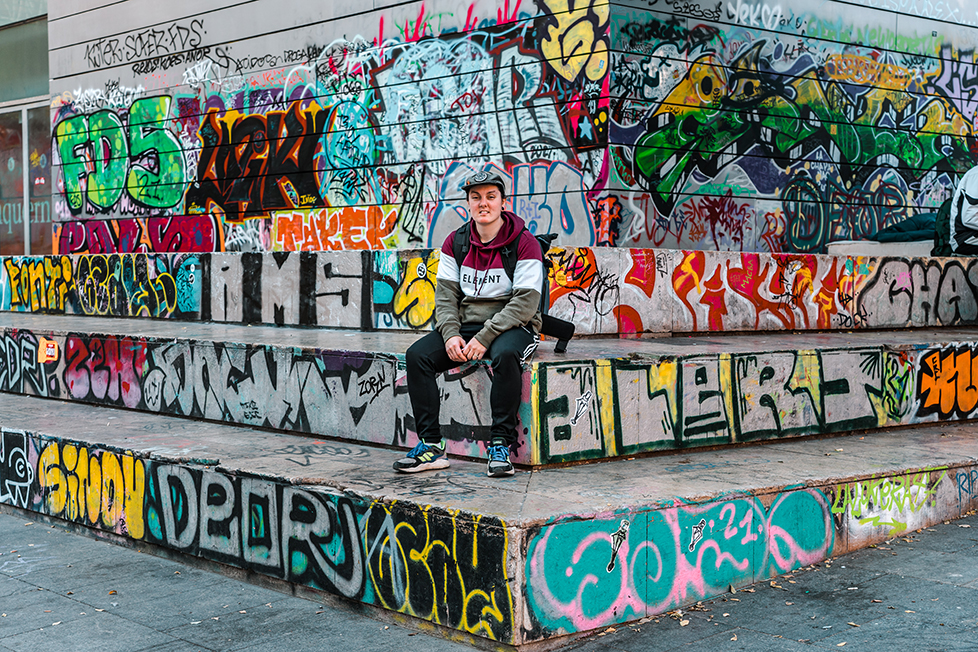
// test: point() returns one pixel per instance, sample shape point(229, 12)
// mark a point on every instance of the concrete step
point(525, 560)
point(601, 399)
point(604, 291)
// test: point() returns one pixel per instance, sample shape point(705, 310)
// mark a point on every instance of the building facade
point(290, 125)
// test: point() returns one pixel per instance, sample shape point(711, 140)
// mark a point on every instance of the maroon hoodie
point(481, 292)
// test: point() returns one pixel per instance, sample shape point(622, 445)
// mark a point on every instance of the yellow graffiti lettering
point(94, 487)
point(52, 479)
point(134, 485)
point(576, 37)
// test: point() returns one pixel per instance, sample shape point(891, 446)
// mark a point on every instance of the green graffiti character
point(159, 171)
point(110, 156)
point(71, 136)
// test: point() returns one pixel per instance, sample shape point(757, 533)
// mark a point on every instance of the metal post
point(27, 176)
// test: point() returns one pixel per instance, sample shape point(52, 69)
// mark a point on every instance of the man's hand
point(453, 347)
point(473, 350)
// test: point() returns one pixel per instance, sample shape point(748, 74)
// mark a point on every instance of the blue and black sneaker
point(499, 464)
point(423, 457)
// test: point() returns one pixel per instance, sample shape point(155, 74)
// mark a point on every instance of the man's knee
point(506, 358)
point(415, 355)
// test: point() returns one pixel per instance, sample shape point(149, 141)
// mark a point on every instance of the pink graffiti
point(736, 539)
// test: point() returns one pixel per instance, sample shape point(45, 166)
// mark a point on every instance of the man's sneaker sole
point(440, 463)
point(500, 473)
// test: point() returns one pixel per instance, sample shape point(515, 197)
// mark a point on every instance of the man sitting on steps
point(478, 310)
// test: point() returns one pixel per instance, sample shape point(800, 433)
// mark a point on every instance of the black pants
point(427, 358)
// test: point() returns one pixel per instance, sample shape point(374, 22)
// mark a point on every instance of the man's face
point(486, 204)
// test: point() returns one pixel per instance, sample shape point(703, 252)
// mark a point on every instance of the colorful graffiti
point(571, 410)
point(446, 567)
point(102, 159)
point(587, 573)
point(604, 291)
point(770, 135)
point(621, 406)
point(176, 233)
point(453, 568)
point(343, 394)
point(332, 131)
point(889, 506)
point(946, 381)
point(781, 131)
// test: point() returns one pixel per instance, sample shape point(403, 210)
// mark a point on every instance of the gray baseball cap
point(484, 178)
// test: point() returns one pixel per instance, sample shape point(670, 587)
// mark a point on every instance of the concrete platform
point(525, 560)
point(601, 399)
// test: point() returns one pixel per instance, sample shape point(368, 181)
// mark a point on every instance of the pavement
point(60, 591)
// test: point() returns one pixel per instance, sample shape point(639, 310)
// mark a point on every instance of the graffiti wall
point(326, 131)
point(743, 126)
point(585, 573)
point(603, 291)
point(446, 567)
point(575, 409)
point(782, 126)
point(467, 571)
point(345, 394)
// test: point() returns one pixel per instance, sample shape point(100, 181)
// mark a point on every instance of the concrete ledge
point(604, 291)
point(607, 398)
point(871, 248)
point(524, 560)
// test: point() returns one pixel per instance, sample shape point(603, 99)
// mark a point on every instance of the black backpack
point(552, 326)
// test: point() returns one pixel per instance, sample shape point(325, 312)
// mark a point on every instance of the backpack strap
point(460, 243)
point(509, 255)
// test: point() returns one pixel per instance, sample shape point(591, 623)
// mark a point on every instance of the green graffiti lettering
point(71, 137)
point(110, 158)
point(159, 185)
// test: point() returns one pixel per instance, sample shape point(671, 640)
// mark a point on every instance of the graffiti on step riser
point(443, 566)
point(583, 574)
point(601, 290)
point(38, 283)
point(901, 292)
point(363, 396)
point(946, 381)
point(734, 292)
point(118, 285)
point(889, 505)
point(20, 369)
point(16, 469)
point(711, 399)
point(98, 488)
point(308, 289)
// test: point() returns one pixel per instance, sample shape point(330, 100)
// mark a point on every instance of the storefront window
point(11, 183)
point(39, 178)
point(34, 173)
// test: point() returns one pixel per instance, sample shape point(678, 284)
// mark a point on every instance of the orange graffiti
point(748, 280)
point(687, 277)
point(825, 299)
point(608, 214)
point(946, 382)
point(333, 228)
point(571, 270)
point(629, 321)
